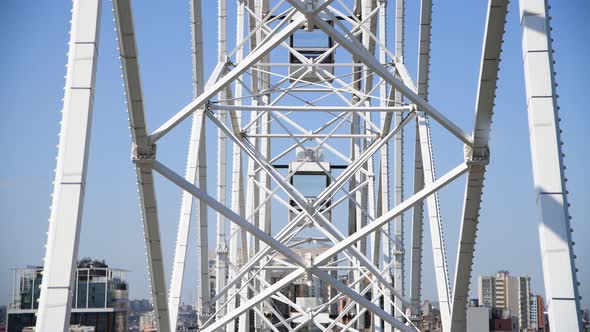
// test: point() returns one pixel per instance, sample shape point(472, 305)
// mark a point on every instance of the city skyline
point(111, 228)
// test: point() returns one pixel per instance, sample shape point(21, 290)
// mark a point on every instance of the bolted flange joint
point(143, 156)
point(477, 156)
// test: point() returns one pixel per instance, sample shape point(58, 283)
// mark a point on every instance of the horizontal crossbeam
point(217, 107)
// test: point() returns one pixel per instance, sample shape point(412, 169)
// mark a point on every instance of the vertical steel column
point(559, 272)
point(370, 207)
point(262, 126)
point(354, 218)
point(237, 181)
point(203, 287)
point(418, 211)
point(398, 190)
point(251, 204)
point(477, 158)
point(192, 168)
point(143, 154)
point(221, 246)
point(265, 150)
point(383, 187)
point(61, 253)
point(367, 192)
point(436, 228)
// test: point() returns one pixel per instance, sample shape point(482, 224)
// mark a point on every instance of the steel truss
point(264, 111)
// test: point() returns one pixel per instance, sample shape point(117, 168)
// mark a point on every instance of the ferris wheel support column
point(418, 211)
point(355, 149)
point(203, 289)
point(435, 223)
point(367, 191)
point(478, 157)
point(559, 271)
point(252, 192)
point(63, 236)
point(265, 150)
point(383, 185)
point(221, 245)
point(355, 218)
point(143, 154)
point(398, 191)
point(192, 169)
point(237, 182)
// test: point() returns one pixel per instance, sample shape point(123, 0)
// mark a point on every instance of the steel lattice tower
point(312, 94)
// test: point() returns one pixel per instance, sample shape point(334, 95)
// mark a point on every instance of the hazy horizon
point(35, 35)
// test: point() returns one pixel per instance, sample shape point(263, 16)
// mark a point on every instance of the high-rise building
point(508, 296)
point(537, 318)
point(534, 318)
point(142, 305)
point(100, 297)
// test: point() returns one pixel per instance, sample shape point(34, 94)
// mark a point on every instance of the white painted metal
point(328, 226)
point(407, 204)
point(478, 157)
point(143, 153)
point(257, 260)
point(435, 222)
point(61, 253)
point(348, 42)
point(418, 211)
point(251, 203)
point(298, 198)
point(239, 69)
point(221, 266)
point(265, 150)
point(436, 227)
point(196, 144)
point(559, 271)
point(383, 193)
point(363, 196)
point(203, 286)
point(381, 109)
point(398, 169)
point(237, 186)
point(273, 243)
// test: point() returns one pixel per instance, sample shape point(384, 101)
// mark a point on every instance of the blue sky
point(35, 34)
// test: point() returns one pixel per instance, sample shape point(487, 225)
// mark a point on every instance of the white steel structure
point(314, 76)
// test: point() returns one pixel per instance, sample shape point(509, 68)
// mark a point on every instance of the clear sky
point(34, 36)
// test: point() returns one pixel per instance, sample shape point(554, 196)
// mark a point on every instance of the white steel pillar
point(265, 150)
point(63, 236)
point(192, 168)
point(355, 217)
point(143, 154)
point(255, 194)
point(235, 257)
point(559, 272)
point(203, 287)
point(355, 180)
point(398, 190)
point(418, 211)
point(221, 246)
point(383, 186)
point(478, 158)
point(363, 195)
point(436, 228)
